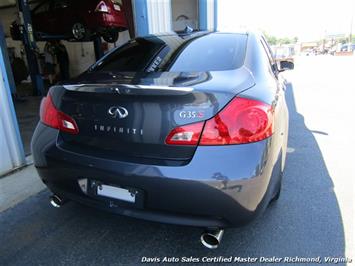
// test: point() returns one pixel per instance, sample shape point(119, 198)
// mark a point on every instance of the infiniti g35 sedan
point(188, 129)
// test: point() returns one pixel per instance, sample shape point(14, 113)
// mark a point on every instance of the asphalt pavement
point(313, 217)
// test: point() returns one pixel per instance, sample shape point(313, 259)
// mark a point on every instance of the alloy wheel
point(78, 31)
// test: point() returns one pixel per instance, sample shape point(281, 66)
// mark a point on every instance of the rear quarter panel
point(269, 90)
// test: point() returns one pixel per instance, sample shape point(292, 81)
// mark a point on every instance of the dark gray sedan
point(187, 129)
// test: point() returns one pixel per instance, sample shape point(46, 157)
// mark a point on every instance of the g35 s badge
point(191, 114)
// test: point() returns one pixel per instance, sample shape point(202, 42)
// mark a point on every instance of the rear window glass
point(131, 57)
point(214, 52)
point(205, 52)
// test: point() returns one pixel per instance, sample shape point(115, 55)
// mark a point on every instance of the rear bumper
point(219, 187)
point(102, 22)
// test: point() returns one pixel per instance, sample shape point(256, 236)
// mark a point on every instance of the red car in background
point(78, 20)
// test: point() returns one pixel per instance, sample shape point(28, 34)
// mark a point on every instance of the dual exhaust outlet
point(210, 238)
point(56, 201)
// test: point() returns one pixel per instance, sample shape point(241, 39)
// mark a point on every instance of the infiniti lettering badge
point(118, 112)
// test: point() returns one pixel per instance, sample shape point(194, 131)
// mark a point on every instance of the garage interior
point(26, 97)
point(24, 58)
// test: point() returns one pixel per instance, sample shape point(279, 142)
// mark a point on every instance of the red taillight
point(52, 117)
point(102, 7)
point(241, 121)
point(185, 135)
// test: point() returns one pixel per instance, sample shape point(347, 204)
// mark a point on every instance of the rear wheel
point(278, 190)
point(277, 195)
point(111, 36)
point(79, 31)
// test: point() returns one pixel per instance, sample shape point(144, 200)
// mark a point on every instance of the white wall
point(210, 15)
point(159, 16)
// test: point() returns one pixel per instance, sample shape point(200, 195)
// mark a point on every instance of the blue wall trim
point(215, 15)
point(7, 65)
point(141, 17)
point(202, 13)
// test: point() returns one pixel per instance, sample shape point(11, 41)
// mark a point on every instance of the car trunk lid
point(131, 114)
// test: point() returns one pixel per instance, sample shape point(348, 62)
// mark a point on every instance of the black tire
point(110, 36)
point(80, 31)
point(278, 190)
point(277, 195)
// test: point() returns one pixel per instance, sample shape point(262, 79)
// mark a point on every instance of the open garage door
point(12, 154)
point(80, 55)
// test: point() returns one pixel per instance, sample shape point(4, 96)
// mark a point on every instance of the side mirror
point(286, 65)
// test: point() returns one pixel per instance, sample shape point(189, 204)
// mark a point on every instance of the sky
point(308, 20)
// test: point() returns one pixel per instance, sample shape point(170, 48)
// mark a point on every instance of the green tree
point(273, 40)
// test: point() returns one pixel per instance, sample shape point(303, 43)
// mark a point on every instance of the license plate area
point(116, 193)
point(116, 196)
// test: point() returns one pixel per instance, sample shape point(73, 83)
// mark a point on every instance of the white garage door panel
point(159, 16)
point(5, 161)
point(11, 149)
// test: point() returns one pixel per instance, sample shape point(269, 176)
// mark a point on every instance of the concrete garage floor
point(313, 217)
point(27, 112)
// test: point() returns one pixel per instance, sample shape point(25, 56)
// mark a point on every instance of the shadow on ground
point(306, 222)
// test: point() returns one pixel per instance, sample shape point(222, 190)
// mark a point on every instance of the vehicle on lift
point(78, 20)
point(188, 129)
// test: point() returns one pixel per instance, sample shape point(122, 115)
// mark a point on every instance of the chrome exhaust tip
point(56, 201)
point(212, 239)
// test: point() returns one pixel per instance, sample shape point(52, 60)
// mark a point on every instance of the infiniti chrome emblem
point(118, 112)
